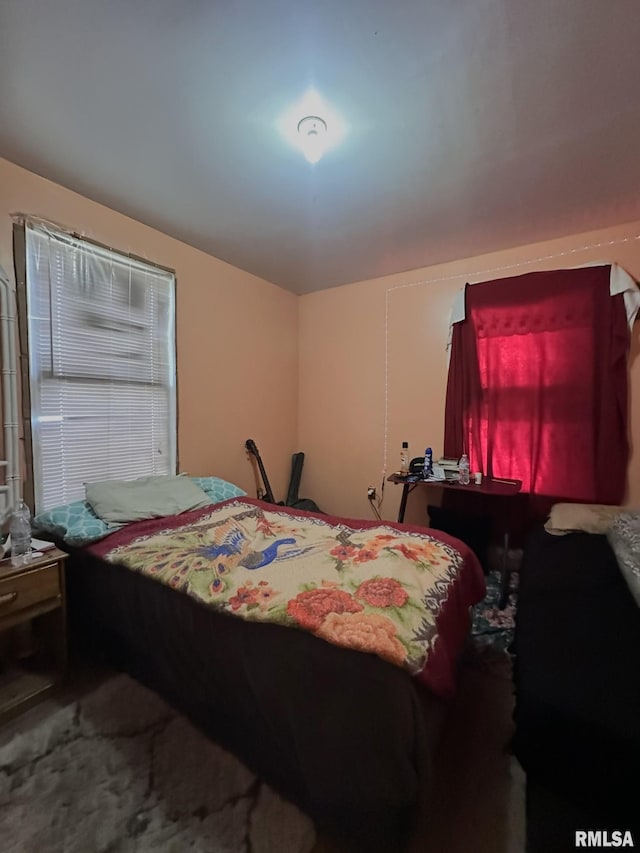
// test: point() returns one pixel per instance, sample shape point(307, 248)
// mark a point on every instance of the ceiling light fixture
point(313, 135)
point(312, 126)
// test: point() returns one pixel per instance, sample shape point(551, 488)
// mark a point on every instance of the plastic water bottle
point(428, 463)
point(463, 470)
point(20, 530)
point(404, 458)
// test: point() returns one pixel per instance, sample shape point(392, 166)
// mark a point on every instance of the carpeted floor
point(119, 771)
point(112, 769)
point(479, 801)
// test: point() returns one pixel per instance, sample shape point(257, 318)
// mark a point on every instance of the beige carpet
point(117, 771)
point(478, 804)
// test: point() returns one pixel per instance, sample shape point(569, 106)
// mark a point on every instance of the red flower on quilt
point(310, 608)
point(382, 592)
point(343, 552)
point(244, 595)
point(265, 595)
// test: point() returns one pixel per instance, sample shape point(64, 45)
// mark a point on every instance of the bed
point(577, 678)
point(340, 724)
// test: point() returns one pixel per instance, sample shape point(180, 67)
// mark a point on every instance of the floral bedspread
point(373, 589)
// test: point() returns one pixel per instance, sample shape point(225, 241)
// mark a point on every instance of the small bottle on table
point(404, 459)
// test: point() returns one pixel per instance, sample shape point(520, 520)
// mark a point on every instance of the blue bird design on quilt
point(230, 545)
point(258, 559)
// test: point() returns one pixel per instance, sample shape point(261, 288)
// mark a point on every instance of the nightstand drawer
point(28, 588)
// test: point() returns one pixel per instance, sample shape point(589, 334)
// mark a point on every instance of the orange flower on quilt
point(409, 552)
point(382, 592)
point(309, 608)
point(430, 552)
point(383, 539)
point(365, 554)
point(365, 632)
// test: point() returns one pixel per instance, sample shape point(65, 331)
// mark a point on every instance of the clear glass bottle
point(20, 530)
point(463, 470)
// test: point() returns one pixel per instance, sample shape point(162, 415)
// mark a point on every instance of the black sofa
point(577, 682)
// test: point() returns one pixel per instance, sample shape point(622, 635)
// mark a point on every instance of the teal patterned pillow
point(76, 523)
point(217, 489)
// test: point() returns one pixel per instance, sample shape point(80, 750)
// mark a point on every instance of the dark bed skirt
point(341, 734)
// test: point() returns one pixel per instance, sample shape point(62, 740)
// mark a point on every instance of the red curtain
point(537, 386)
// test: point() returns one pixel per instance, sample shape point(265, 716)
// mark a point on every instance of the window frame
point(30, 462)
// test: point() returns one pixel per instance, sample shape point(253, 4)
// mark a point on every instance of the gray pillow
point(122, 501)
point(624, 538)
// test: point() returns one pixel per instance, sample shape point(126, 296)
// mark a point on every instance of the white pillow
point(588, 518)
point(122, 501)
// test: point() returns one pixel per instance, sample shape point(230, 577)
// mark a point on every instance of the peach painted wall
point(331, 373)
point(237, 345)
point(379, 346)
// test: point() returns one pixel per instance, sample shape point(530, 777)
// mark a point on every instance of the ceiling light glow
point(312, 126)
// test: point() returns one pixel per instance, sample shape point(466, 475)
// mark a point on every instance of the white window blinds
point(101, 363)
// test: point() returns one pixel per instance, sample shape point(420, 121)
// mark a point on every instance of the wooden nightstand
point(32, 604)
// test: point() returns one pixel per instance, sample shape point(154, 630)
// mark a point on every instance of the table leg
point(403, 501)
point(505, 576)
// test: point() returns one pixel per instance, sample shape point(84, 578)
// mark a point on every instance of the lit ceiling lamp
point(313, 135)
point(312, 126)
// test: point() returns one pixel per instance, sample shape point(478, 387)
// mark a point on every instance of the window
point(537, 385)
point(101, 341)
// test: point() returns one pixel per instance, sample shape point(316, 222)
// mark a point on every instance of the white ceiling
point(472, 125)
